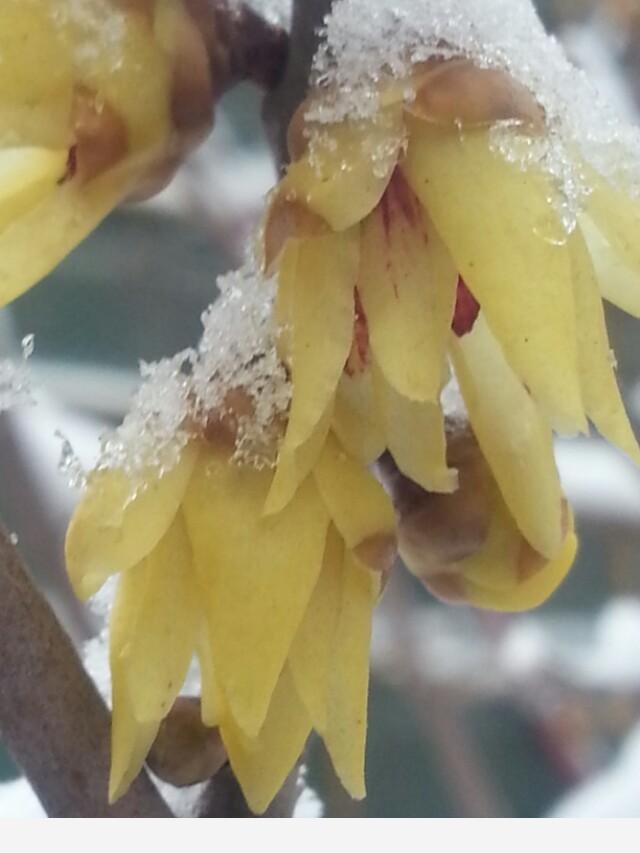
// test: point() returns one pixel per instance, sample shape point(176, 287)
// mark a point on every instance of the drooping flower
point(99, 99)
point(449, 226)
point(276, 608)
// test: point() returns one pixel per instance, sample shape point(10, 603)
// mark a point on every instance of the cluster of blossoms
point(444, 230)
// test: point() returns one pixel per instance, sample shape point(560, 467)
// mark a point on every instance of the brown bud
point(223, 425)
point(185, 751)
point(458, 92)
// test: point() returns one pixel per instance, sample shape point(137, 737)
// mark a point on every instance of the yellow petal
point(356, 419)
point(509, 245)
point(311, 658)
point(62, 220)
point(346, 731)
point(600, 392)
point(263, 766)
point(27, 175)
point(162, 638)
point(346, 168)
point(212, 700)
point(358, 505)
point(295, 464)
point(131, 740)
point(321, 285)
point(35, 77)
point(513, 437)
point(113, 528)
point(618, 282)
point(408, 288)
point(532, 592)
point(617, 217)
point(258, 574)
point(415, 437)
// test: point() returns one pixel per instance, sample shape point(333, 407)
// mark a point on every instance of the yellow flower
point(410, 243)
point(276, 608)
point(97, 99)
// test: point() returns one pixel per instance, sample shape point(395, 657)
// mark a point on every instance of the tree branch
point(52, 719)
point(282, 102)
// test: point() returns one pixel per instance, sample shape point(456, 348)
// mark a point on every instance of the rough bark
point(52, 719)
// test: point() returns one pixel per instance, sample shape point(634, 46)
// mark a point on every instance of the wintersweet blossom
point(277, 608)
point(98, 100)
point(425, 239)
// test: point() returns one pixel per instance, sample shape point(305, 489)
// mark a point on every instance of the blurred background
point(472, 714)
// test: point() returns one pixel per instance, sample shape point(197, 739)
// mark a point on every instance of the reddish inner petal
point(466, 312)
point(359, 356)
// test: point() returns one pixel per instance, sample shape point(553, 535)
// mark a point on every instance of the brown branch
point(52, 719)
point(282, 102)
point(242, 45)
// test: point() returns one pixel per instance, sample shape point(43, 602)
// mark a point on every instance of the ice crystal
point(180, 396)
point(277, 12)
point(365, 41)
point(15, 379)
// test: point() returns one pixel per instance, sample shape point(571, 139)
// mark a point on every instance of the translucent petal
point(311, 658)
point(602, 399)
point(415, 437)
point(346, 731)
point(27, 176)
point(510, 247)
point(344, 172)
point(356, 419)
point(459, 93)
point(320, 284)
point(407, 285)
point(619, 283)
point(162, 637)
point(358, 505)
point(513, 436)
point(258, 574)
point(113, 528)
point(262, 766)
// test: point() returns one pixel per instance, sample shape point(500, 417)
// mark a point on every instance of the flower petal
point(358, 505)
point(114, 527)
point(319, 283)
point(529, 592)
point(262, 764)
point(602, 399)
point(258, 574)
point(311, 658)
point(415, 437)
point(356, 419)
point(162, 637)
point(407, 284)
point(510, 248)
point(346, 730)
point(27, 176)
point(619, 283)
point(513, 437)
point(345, 169)
point(617, 216)
point(35, 77)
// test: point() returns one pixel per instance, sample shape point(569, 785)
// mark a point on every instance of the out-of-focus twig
point(51, 717)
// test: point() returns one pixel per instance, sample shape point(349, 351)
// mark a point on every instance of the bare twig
point(242, 45)
point(51, 717)
point(282, 102)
